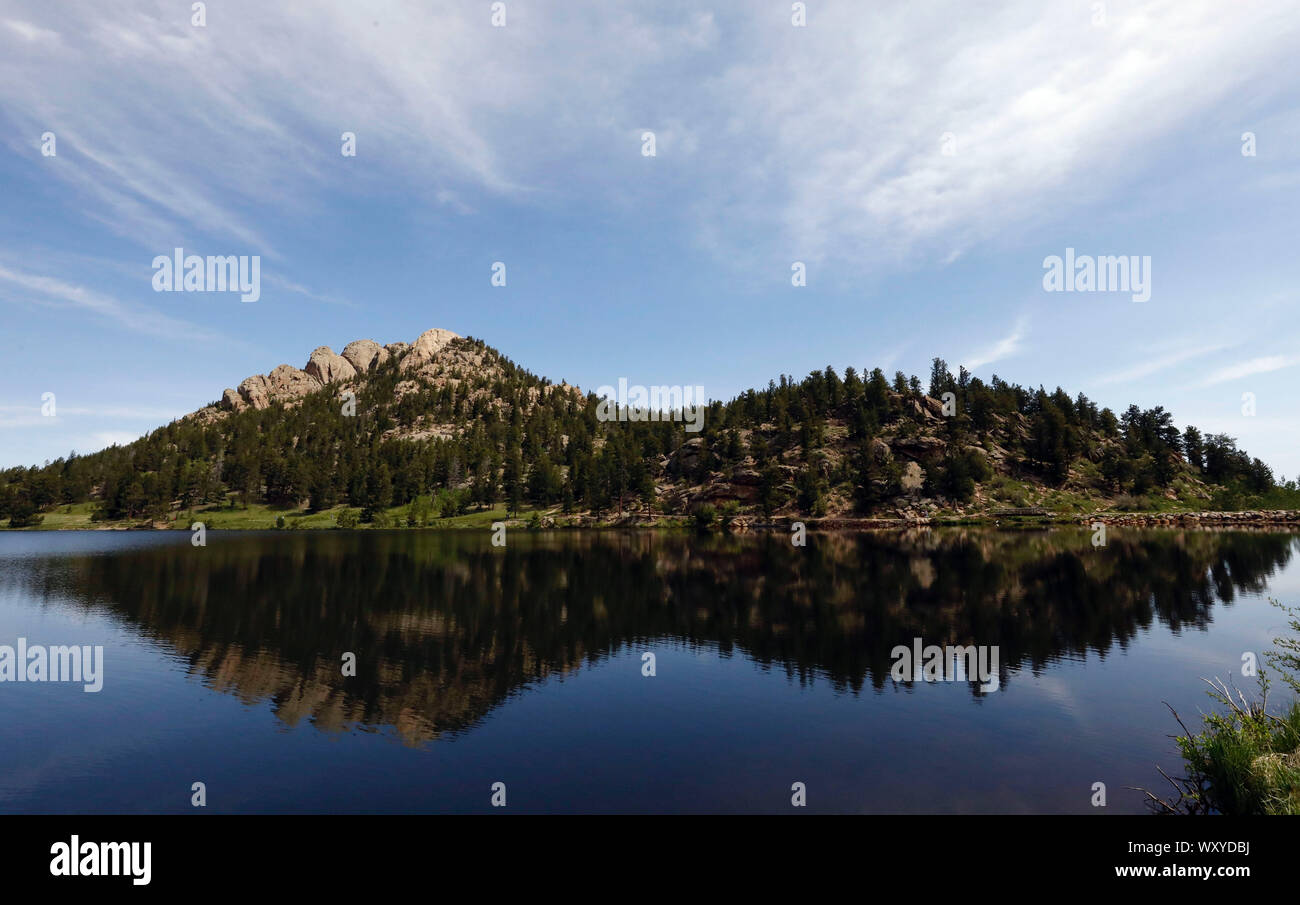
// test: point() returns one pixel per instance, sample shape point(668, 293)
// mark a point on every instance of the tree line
point(510, 437)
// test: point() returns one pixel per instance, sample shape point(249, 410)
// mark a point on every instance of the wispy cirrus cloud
point(1006, 347)
point(1264, 364)
point(51, 291)
point(33, 34)
point(1159, 363)
point(825, 139)
point(299, 289)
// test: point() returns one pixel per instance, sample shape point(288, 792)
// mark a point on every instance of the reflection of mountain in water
point(445, 626)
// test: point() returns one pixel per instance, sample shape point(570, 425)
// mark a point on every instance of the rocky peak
point(365, 355)
point(286, 384)
point(327, 367)
point(429, 344)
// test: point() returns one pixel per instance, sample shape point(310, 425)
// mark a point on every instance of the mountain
point(447, 428)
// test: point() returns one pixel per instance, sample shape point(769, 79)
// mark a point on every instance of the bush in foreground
point(1246, 760)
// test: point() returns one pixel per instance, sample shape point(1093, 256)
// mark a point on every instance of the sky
point(920, 160)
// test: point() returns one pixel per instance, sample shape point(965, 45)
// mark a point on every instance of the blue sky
point(1112, 132)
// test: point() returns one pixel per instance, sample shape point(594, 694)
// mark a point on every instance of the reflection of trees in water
point(445, 626)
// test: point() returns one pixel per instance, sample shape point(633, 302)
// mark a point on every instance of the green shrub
point(728, 514)
point(1245, 760)
point(705, 516)
point(1127, 502)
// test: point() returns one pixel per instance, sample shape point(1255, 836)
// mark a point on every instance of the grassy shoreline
point(261, 517)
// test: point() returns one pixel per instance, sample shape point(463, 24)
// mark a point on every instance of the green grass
point(1246, 760)
point(258, 516)
point(74, 516)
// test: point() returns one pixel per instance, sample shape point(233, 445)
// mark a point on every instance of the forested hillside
point(448, 427)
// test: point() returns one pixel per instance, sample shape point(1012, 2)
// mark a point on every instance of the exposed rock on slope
point(365, 354)
point(287, 384)
point(327, 367)
point(430, 343)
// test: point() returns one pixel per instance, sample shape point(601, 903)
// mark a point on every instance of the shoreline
point(1250, 518)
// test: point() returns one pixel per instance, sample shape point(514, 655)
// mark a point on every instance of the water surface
point(524, 665)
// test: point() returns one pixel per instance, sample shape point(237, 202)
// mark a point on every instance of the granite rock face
point(287, 384)
point(328, 368)
point(365, 355)
point(426, 347)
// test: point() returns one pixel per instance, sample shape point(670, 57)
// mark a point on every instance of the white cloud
point(153, 416)
point(1045, 109)
point(298, 288)
point(824, 139)
point(49, 290)
point(1157, 364)
point(1005, 347)
point(31, 33)
point(1264, 364)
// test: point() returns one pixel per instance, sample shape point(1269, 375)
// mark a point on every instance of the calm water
point(478, 665)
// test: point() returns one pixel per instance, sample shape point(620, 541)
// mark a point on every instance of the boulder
point(913, 478)
point(231, 401)
point(365, 355)
point(688, 455)
point(327, 367)
point(255, 391)
point(925, 449)
point(287, 382)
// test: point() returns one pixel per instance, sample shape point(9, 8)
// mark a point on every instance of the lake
point(525, 665)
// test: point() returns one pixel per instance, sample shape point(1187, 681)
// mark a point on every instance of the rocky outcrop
point(688, 454)
point(255, 391)
point(365, 355)
point(924, 408)
point(327, 367)
point(922, 448)
point(232, 401)
point(287, 384)
point(429, 344)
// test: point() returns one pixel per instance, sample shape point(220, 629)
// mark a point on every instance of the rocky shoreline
point(1209, 519)
point(1204, 519)
point(1246, 518)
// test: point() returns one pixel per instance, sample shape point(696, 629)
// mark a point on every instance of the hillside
point(445, 429)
